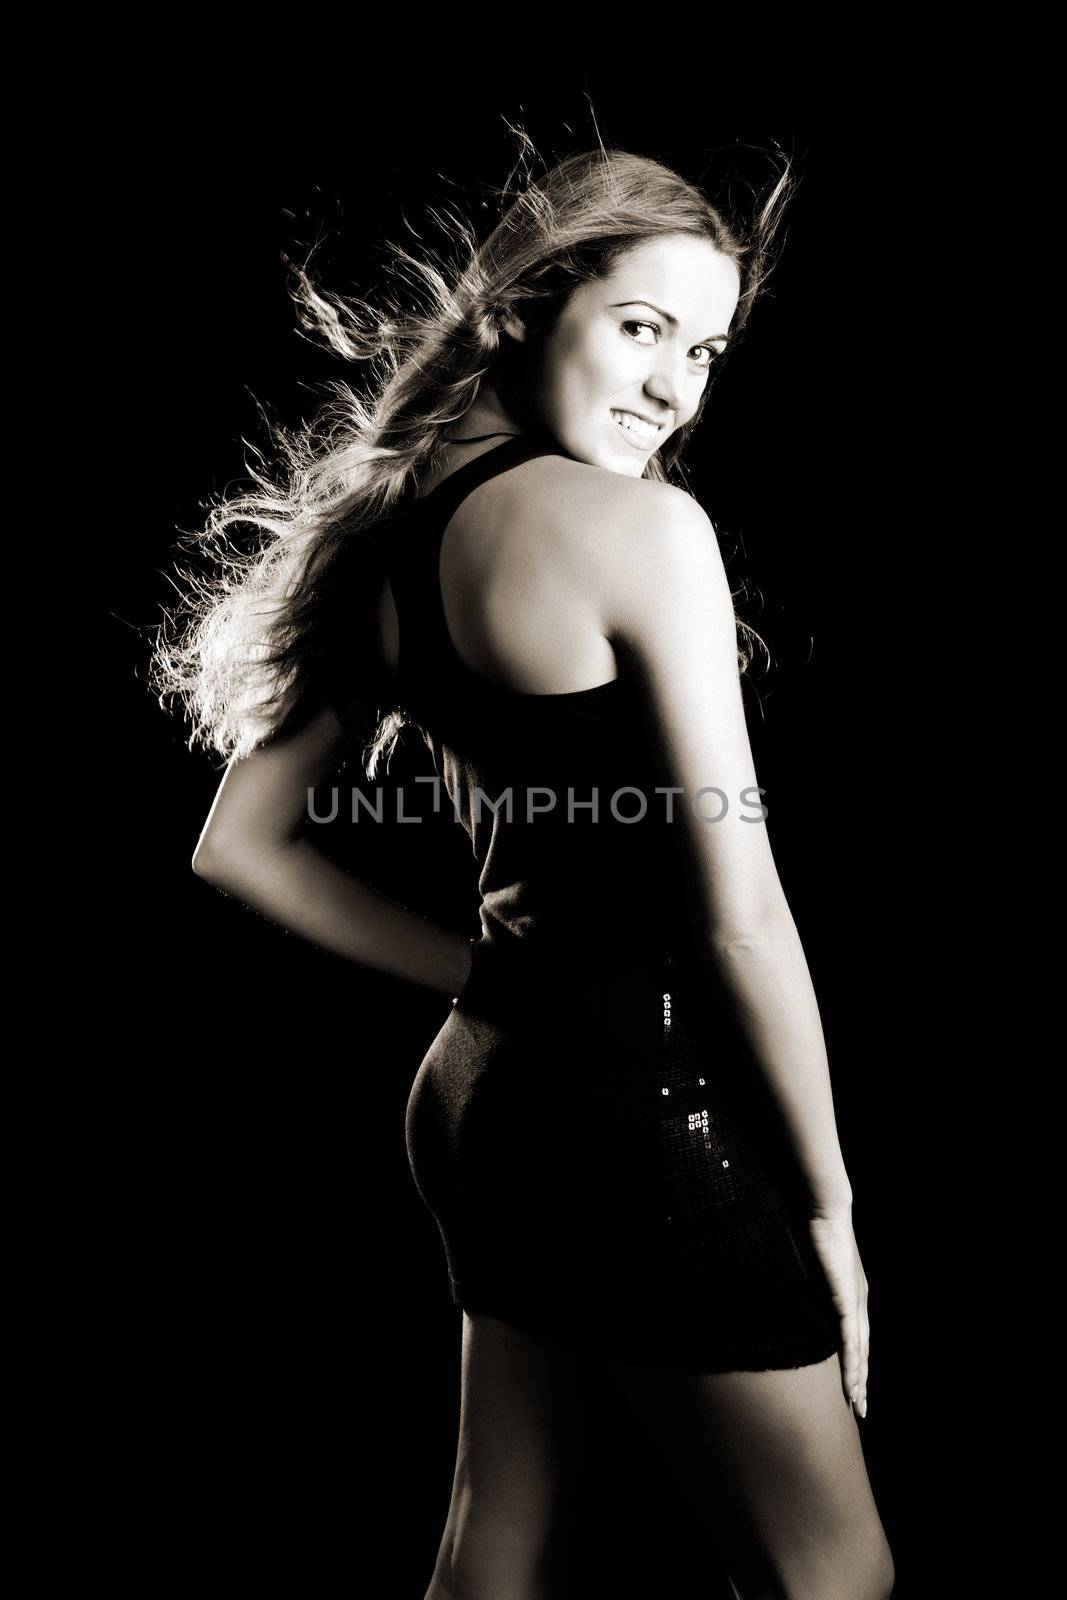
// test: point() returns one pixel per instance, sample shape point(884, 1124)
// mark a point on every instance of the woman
point(624, 1128)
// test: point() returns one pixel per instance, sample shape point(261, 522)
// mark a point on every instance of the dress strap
point(463, 480)
point(479, 438)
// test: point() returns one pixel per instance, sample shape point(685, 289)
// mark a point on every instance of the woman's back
point(518, 599)
point(539, 739)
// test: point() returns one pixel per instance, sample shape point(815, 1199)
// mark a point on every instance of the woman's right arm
point(252, 847)
point(665, 606)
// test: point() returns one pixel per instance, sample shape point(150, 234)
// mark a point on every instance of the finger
point(854, 1360)
point(864, 1361)
point(850, 1356)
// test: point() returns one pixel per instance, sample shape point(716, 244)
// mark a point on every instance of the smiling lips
point(636, 429)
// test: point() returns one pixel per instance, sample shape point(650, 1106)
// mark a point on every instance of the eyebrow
point(712, 338)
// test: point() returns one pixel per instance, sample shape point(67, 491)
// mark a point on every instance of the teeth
point(637, 425)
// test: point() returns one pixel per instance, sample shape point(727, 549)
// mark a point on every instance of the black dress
point(600, 1156)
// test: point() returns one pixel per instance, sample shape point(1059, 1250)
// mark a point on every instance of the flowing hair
point(258, 639)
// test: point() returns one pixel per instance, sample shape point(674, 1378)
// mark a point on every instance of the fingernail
point(863, 1409)
point(855, 1391)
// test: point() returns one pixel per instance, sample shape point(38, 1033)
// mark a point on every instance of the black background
point(289, 1344)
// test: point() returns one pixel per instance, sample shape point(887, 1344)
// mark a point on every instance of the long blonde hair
point(254, 639)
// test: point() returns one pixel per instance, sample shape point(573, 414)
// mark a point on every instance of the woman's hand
point(835, 1245)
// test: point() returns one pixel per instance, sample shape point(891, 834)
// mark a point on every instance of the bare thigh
point(773, 1464)
point(523, 1441)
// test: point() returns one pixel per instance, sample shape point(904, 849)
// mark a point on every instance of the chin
point(627, 463)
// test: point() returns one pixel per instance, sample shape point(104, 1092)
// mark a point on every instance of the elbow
point(741, 945)
point(203, 863)
point(746, 951)
point(218, 863)
point(751, 934)
point(211, 860)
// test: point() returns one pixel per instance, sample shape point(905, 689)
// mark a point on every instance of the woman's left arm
point(251, 847)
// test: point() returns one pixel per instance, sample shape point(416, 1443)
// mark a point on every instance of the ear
point(515, 326)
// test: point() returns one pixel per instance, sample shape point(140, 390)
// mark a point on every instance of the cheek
point(599, 366)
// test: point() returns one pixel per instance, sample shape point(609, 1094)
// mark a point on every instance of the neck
point(488, 413)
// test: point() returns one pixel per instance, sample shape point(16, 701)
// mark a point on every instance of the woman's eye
point(653, 328)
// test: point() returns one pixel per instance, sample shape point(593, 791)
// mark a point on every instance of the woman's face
point(627, 362)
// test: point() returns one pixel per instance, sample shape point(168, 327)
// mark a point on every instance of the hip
point(625, 1072)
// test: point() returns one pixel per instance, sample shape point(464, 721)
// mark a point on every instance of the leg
point(773, 1464)
point(522, 1442)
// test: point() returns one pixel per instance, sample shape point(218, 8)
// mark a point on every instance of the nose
point(664, 384)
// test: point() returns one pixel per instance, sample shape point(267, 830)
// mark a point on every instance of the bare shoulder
point(629, 546)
